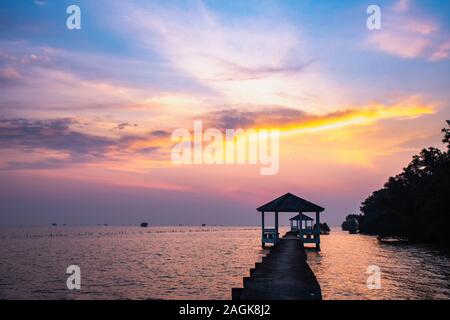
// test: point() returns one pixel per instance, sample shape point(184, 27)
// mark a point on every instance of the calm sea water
point(200, 263)
point(407, 271)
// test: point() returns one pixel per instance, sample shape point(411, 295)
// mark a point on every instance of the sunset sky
point(86, 115)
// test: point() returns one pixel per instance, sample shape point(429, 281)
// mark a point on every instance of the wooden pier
point(282, 275)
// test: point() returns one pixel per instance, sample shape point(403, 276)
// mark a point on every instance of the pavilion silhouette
point(292, 203)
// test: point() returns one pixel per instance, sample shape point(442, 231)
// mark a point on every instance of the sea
point(127, 262)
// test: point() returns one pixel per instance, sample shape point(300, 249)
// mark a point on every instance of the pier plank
point(283, 275)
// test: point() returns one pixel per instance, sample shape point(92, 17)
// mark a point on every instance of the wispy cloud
point(243, 60)
point(42, 82)
point(294, 121)
point(55, 143)
point(442, 52)
point(65, 143)
point(52, 134)
point(409, 35)
point(9, 76)
point(402, 5)
point(40, 2)
point(123, 125)
point(270, 116)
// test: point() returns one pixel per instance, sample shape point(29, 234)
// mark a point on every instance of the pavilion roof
point(304, 217)
point(290, 203)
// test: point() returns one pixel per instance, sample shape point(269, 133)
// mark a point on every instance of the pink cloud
point(401, 45)
point(409, 36)
point(415, 26)
point(402, 5)
point(9, 74)
point(442, 52)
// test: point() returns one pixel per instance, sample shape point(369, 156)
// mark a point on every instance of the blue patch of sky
point(335, 33)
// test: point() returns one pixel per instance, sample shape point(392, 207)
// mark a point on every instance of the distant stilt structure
point(291, 203)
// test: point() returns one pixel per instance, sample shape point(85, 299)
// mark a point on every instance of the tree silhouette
point(416, 203)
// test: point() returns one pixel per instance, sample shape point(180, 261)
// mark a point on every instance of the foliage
point(416, 203)
point(351, 222)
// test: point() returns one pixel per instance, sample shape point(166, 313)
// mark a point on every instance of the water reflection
point(127, 262)
point(407, 271)
point(200, 263)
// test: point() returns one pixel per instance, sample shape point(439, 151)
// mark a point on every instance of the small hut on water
point(291, 203)
point(297, 222)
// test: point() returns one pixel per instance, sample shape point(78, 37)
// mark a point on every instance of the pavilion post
point(300, 222)
point(262, 228)
point(276, 226)
point(317, 236)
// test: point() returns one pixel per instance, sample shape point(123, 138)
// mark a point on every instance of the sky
point(86, 116)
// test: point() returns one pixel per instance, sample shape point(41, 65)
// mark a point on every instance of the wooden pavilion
point(292, 203)
point(297, 222)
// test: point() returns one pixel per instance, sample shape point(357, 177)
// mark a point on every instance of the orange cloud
point(293, 121)
point(361, 116)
